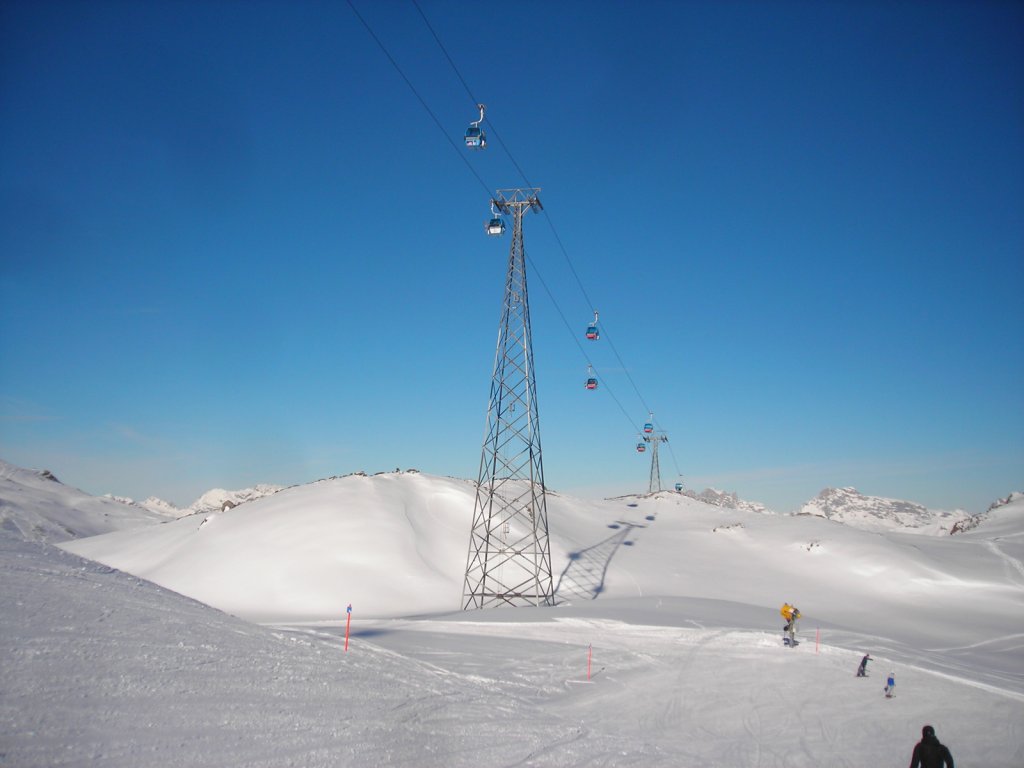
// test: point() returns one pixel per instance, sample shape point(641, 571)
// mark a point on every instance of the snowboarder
point(890, 685)
point(929, 753)
point(862, 670)
point(791, 614)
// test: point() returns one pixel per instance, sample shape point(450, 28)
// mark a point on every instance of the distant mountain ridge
point(841, 505)
point(211, 501)
point(850, 507)
point(39, 507)
point(727, 500)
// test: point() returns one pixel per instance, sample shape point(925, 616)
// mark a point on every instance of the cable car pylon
point(509, 560)
point(653, 438)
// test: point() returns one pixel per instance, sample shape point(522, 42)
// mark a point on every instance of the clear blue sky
point(236, 248)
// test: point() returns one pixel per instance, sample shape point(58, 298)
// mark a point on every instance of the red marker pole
point(348, 623)
point(590, 653)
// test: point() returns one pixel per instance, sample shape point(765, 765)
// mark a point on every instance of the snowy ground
point(674, 602)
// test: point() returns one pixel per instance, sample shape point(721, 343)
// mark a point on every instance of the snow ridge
point(876, 513)
point(36, 505)
point(1005, 513)
point(215, 499)
point(727, 500)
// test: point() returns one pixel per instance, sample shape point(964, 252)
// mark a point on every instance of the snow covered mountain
point(40, 507)
point(726, 499)
point(1003, 515)
point(213, 500)
point(875, 513)
point(674, 602)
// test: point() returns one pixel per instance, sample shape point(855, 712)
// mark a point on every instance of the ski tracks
point(1011, 561)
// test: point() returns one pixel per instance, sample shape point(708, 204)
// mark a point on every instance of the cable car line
point(575, 337)
point(550, 220)
point(465, 85)
point(493, 227)
point(422, 101)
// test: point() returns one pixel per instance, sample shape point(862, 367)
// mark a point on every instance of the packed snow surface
point(664, 648)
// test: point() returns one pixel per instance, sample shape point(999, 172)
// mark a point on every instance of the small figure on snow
point(929, 753)
point(890, 685)
point(862, 670)
point(791, 614)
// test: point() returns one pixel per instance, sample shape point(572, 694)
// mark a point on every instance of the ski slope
point(673, 602)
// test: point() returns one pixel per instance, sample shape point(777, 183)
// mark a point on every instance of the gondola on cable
point(679, 487)
point(475, 137)
point(641, 447)
point(591, 378)
point(649, 426)
point(592, 333)
point(496, 226)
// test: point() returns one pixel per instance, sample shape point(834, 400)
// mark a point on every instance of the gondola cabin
point(679, 487)
point(591, 383)
point(475, 138)
point(592, 333)
point(641, 447)
point(496, 227)
point(648, 428)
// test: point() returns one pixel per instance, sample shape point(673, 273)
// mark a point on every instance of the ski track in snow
point(1011, 561)
point(679, 686)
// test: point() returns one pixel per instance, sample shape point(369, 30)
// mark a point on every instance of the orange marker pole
point(348, 623)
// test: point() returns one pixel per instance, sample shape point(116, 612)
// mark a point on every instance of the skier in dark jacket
point(929, 753)
point(862, 670)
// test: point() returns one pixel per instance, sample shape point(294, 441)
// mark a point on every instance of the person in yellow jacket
point(792, 615)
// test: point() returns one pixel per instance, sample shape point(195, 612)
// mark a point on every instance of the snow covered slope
point(38, 506)
point(395, 545)
point(663, 652)
point(875, 513)
point(1003, 516)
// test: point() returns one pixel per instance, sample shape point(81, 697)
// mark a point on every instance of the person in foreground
point(929, 753)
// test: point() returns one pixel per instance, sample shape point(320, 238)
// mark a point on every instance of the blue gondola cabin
point(495, 227)
point(475, 138)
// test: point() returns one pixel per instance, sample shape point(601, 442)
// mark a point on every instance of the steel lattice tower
point(654, 440)
point(509, 561)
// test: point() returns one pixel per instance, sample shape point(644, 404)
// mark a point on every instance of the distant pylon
point(654, 440)
point(509, 561)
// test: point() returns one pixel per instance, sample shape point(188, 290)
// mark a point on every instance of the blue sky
point(236, 248)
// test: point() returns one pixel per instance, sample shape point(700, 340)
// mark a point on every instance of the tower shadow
point(584, 576)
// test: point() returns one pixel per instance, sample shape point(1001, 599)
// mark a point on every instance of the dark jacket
point(929, 753)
